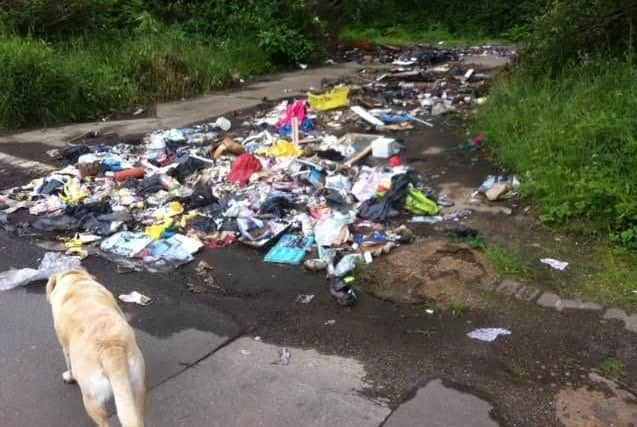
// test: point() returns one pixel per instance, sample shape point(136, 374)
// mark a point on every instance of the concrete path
point(438, 406)
point(202, 371)
point(183, 113)
point(191, 381)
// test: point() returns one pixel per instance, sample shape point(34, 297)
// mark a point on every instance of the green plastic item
point(418, 204)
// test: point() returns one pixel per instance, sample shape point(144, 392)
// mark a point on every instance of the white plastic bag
point(52, 263)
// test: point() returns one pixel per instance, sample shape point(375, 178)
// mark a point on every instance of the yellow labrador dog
point(99, 347)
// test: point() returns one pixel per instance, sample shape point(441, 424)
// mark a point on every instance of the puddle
point(443, 406)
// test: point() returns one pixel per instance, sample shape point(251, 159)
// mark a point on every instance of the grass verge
point(409, 34)
point(44, 84)
point(573, 141)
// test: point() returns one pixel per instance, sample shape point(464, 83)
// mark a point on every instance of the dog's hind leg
point(67, 376)
point(95, 410)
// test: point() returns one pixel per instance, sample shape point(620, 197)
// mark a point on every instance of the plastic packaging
point(418, 204)
point(52, 263)
point(347, 264)
point(329, 100)
point(223, 124)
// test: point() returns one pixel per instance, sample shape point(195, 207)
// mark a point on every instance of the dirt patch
point(435, 270)
point(586, 407)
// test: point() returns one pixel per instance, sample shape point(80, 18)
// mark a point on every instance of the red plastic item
point(135, 173)
point(479, 140)
point(395, 161)
point(243, 168)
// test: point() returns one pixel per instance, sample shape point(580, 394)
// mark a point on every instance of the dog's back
point(103, 355)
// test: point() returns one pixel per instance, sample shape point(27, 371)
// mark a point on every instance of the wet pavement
point(380, 362)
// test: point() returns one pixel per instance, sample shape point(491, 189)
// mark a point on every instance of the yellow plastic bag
point(73, 192)
point(335, 98)
point(282, 148)
point(155, 231)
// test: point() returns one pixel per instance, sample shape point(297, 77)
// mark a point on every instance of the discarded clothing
point(243, 168)
point(277, 205)
point(186, 166)
point(385, 208)
point(200, 198)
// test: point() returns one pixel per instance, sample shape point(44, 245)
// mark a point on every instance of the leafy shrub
point(285, 46)
point(581, 30)
point(29, 75)
point(60, 19)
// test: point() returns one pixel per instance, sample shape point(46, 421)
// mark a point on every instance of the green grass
point(409, 34)
point(45, 84)
point(609, 276)
point(507, 262)
point(519, 372)
point(573, 142)
point(611, 368)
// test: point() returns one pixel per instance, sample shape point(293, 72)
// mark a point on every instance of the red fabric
point(243, 168)
point(394, 161)
point(298, 109)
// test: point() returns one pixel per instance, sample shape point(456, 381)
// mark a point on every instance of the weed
point(476, 242)
point(457, 308)
point(568, 362)
point(519, 372)
point(506, 262)
point(611, 368)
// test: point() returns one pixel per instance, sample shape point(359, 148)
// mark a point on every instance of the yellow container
point(335, 98)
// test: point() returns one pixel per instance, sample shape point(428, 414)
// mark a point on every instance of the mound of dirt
point(586, 407)
point(427, 271)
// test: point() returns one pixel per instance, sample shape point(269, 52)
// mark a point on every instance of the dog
point(99, 347)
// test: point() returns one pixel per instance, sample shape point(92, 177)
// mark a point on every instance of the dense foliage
point(564, 116)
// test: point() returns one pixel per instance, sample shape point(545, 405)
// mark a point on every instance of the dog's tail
point(115, 363)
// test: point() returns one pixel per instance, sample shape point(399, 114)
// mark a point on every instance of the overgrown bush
point(30, 74)
point(494, 18)
point(573, 31)
point(87, 79)
point(60, 19)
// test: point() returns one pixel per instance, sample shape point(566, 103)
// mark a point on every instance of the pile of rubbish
point(422, 80)
point(282, 181)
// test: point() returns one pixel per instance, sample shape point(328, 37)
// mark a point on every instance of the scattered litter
point(554, 263)
point(245, 352)
point(281, 181)
point(363, 114)
point(488, 334)
point(329, 322)
point(427, 219)
point(136, 298)
point(284, 357)
point(499, 187)
point(305, 298)
point(429, 311)
point(342, 292)
point(52, 263)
